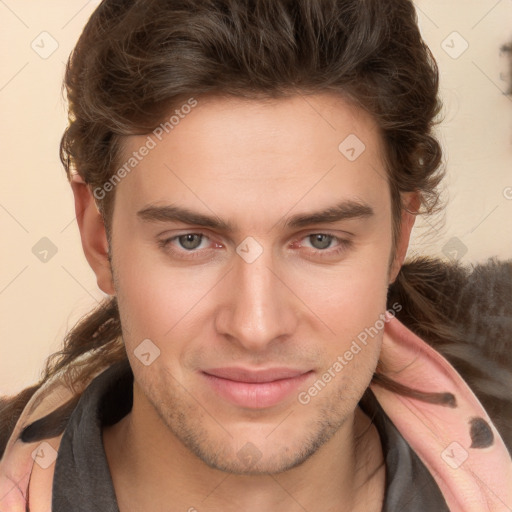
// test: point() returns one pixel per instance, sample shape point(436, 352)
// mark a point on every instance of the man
point(247, 176)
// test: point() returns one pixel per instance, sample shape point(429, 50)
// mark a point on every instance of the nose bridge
point(259, 309)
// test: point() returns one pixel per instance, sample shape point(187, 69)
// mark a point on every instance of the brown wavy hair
point(137, 60)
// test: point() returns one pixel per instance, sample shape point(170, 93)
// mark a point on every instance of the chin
point(259, 454)
point(250, 461)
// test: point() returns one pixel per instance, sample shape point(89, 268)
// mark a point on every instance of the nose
point(258, 306)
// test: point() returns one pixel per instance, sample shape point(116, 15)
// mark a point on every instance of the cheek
point(352, 352)
point(349, 297)
point(350, 301)
point(155, 299)
point(159, 301)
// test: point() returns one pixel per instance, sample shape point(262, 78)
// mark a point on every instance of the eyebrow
point(345, 210)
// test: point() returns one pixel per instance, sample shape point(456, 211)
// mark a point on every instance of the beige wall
point(40, 301)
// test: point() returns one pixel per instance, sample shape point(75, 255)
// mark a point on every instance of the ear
point(411, 203)
point(93, 234)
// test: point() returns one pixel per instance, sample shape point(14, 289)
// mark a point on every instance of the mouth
point(255, 389)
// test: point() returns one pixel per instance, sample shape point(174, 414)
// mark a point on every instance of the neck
point(151, 469)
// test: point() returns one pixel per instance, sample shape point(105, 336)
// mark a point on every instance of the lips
point(254, 376)
point(255, 389)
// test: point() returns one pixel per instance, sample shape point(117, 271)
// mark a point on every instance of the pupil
point(325, 243)
point(189, 241)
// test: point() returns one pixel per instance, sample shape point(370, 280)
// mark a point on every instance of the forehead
point(239, 152)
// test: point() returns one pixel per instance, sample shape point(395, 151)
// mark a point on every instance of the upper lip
point(245, 375)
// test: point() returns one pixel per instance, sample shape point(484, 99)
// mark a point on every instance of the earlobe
point(411, 204)
point(93, 234)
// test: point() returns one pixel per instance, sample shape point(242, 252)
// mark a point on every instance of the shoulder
point(27, 467)
point(28, 462)
point(468, 321)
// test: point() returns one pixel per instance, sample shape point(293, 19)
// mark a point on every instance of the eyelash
point(343, 245)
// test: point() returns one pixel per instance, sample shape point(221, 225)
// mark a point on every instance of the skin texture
point(252, 163)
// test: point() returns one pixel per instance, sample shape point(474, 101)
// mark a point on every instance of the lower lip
point(256, 395)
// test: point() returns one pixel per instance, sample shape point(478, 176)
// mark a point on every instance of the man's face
point(247, 319)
